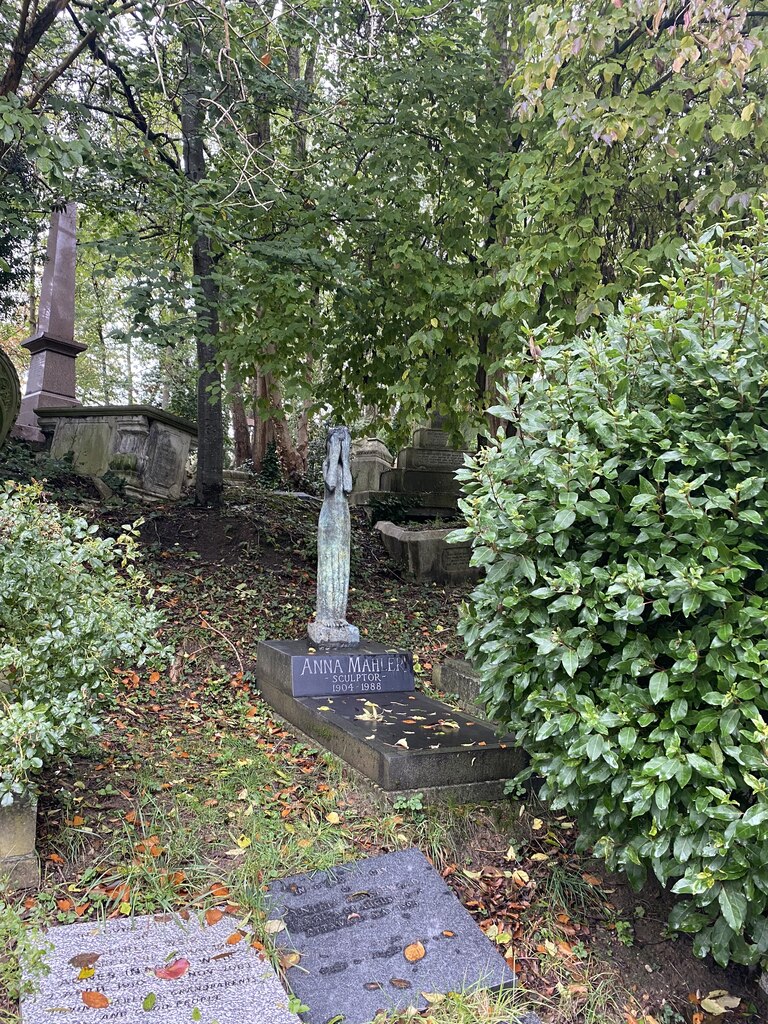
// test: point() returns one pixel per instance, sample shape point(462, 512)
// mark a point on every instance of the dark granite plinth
point(401, 741)
point(306, 670)
point(352, 925)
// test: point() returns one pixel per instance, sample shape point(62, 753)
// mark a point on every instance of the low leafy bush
point(70, 609)
point(622, 626)
point(23, 952)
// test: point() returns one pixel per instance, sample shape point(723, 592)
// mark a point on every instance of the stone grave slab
point(102, 973)
point(358, 928)
point(403, 741)
point(305, 670)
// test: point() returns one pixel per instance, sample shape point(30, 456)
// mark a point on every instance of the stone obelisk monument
point(51, 376)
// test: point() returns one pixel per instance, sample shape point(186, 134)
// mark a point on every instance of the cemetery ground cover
point(195, 796)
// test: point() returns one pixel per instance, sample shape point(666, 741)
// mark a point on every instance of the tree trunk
point(239, 419)
point(263, 427)
point(210, 425)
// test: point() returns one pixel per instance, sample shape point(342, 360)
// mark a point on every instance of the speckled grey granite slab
point(352, 925)
point(222, 984)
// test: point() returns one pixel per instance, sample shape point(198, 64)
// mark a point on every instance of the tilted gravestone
point(164, 969)
point(378, 934)
point(10, 395)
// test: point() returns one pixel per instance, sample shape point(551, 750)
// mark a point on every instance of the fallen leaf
point(372, 986)
point(433, 997)
point(219, 890)
point(399, 983)
point(402, 743)
point(234, 938)
point(537, 824)
point(414, 952)
point(333, 818)
point(213, 916)
point(78, 820)
point(84, 959)
point(173, 971)
point(86, 973)
point(273, 927)
point(96, 1000)
point(520, 877)
point(592, 879)
point(149, 1001)
point(290, 960)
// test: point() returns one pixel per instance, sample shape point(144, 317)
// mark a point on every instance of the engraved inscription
point(455, 557)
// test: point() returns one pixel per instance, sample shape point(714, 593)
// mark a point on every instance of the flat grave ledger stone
point(311, 671)
point(168, 969)
point(401, 741)
point(377, 934)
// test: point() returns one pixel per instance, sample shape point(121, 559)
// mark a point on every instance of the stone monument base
point(300, 669)
point(19, 864)
point(333, 634)
point(401, 741)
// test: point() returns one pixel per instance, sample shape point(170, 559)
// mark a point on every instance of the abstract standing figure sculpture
point(330, 627)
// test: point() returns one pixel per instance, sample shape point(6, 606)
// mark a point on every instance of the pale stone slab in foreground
point(217, 982)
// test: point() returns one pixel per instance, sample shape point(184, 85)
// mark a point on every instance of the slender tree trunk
point(239, 419)
point(210, 425)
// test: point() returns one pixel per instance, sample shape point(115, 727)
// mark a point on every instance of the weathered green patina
point(10, 395)
point(333, 536)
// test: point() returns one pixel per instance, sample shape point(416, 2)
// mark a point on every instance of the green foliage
point(620, 628)
point(22, 955)
point(70, 610)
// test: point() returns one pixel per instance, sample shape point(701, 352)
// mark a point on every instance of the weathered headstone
point(425, 472)
point(370, 458)
point(378, 934)
point(10, 395)
point(145, 447)
point(51, 376)
point(164, 969)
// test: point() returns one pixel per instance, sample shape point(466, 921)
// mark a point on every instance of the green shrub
point(622, 626)
point(70, 610)
point(23, 952)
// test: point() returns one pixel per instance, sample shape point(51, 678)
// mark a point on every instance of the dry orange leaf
point(234, 938)
point(64, 905)
point(414, 952)
point(96, 1000)
point(592, 880)
point(54, 858)
point(154, 677)
point(219, 890)
point(131, 817)
point(213, 916)
point(78, 820)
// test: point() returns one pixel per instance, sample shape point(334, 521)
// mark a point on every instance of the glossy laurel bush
point(71, 609)
point(622, 626)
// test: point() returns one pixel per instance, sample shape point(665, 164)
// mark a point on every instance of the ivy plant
point(621, 627)
point(71, 609)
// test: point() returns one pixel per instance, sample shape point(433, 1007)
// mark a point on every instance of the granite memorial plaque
point(164, 969)
point(377, 934)
point(366, 669)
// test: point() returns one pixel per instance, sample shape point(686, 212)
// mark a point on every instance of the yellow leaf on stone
point(433, 997)
point(86, 973)
point(273, 927)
